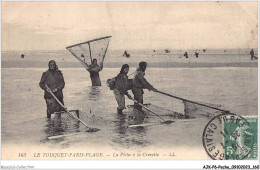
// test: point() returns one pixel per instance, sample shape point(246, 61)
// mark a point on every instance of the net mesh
point(89, 50)
point(195, 110)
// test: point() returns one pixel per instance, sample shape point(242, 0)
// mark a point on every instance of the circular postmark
point(228, 137)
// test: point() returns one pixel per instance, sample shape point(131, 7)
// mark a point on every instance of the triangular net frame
point(85, 52)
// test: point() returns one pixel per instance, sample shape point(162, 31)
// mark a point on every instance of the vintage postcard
point(129, 80)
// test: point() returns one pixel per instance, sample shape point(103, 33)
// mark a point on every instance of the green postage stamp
point(241, 142)
point(231, 137)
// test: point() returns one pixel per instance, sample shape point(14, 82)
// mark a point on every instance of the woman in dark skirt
point(53, 78)
point(121, 87)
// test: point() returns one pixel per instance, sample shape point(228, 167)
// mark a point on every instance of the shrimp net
point(87, 51)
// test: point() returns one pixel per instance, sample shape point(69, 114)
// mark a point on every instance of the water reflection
point(128, 137)
point(94, 93)
point(61, 125)
point(120, 125)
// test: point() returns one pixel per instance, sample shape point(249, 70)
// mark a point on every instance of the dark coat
point(122, 83)
point(94, 74)
point(140, 82)
point(52, 80)
point(252, 53)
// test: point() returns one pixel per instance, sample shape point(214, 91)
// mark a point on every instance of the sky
point(132, 25)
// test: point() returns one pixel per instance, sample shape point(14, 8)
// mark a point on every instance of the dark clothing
point(54, 106)
point(122, 84)
point(186, 55)
point(95, 80)
point(53, 79)
point(121, 87)
point(94, 75)
point(196, 54)
point(125, 54)
point(252, 53)
point(138, 94)
point(140, 83)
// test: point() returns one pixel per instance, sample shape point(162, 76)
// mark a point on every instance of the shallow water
point(114, 59)
point(24, 110)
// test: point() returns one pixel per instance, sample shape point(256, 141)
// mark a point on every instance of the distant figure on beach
point(53, 78)
point(22, 56)
point(126, 54)
point(140, 83)
point(121, 87)
point(186, 55)
point(167, 51)
point(197, 55)
point(252, 53)
point(94, 70)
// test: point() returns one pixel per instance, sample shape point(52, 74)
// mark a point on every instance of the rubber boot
point(119, 111)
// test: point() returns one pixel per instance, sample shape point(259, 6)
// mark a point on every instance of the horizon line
point(147, 49)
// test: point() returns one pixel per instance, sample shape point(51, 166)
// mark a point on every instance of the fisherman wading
point(94, 70)
point(53, 78)
point(121, 87)
point(140, 83)
point(91, 55)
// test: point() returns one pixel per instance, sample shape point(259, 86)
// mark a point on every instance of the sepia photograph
point(141, 80)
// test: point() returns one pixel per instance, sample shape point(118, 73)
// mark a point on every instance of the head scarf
point(123, 67)
point(52, 61)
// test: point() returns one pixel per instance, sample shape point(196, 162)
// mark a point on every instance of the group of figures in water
point(52, 82)
point(252, 54)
